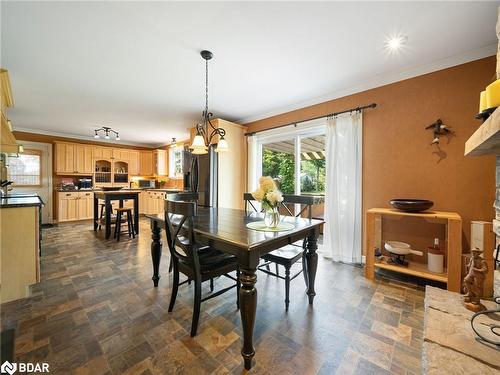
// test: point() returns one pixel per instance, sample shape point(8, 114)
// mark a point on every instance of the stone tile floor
point(96, 312)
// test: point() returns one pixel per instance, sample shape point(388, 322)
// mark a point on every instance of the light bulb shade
point(106, 136)
point(198, 142)
point(96, 136)
point(222, 146)
point(117, 137)
point(199, 151)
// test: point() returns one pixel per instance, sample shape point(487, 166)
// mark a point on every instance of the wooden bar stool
point(119, 221)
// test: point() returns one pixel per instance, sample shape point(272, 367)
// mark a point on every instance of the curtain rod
point(373, 105)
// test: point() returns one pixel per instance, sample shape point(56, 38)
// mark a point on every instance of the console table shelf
point(453, 252)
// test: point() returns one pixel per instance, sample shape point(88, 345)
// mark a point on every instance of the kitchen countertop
point(124, 189)
point(27, 200)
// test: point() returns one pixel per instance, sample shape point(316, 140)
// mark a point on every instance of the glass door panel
point(312, 165)
point(278, 161)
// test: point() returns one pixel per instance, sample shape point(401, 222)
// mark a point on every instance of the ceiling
point(135, 66)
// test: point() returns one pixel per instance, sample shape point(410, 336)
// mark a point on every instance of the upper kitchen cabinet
point(160, 162)
point(133, 163)
point(146, 163)
point(73, 158)
point(102, 152)
point(121, 154)
point(8, 141)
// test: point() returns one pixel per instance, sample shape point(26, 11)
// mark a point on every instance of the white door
point(44, 189)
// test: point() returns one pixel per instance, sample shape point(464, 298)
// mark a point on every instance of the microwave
point(146, 184)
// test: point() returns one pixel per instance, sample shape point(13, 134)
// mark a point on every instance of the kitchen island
point(19, 245)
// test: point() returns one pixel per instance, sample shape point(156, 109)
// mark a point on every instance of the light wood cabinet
point(160, 162)
point(146, 163)
point(75, 206)
point(73, 158)
point(67, 206)
point(85, 205)
point(83, 159)
point(121, 154)
point(102, 152)
point(133, 163)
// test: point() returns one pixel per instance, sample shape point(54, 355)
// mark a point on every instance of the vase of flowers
point(270, 198)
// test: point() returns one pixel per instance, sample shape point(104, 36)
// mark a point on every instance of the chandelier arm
point(217, 131)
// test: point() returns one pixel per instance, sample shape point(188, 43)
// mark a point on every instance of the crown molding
point(84, 138)
point(382, 80)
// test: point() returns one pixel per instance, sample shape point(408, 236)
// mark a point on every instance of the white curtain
point(252, 163)
point(342, 230)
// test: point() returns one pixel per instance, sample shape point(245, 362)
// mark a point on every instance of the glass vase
point(272, 217)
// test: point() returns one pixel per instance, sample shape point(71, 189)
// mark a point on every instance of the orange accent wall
point(398, 160)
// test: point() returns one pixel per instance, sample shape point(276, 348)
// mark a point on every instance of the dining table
point(226, 230)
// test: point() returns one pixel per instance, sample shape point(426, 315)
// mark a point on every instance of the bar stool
point(119, 220)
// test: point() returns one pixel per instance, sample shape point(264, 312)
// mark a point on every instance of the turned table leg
point(156, 251)
point(312, 264)
point(248, 308)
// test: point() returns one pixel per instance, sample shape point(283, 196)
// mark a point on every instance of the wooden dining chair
point(288, 255)
point(198, 263)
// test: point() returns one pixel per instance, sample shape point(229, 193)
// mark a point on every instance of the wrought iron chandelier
point(205, 130)
point(107, 131)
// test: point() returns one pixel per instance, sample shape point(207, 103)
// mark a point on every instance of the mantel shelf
point(486, 139)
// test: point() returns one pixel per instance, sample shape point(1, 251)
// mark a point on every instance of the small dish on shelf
point(411, 205)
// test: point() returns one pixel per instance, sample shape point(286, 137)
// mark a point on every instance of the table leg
point(136, 214)
point(248, 309)
point(108, 209)
point(312, 264)
point(96, 213)
point(156, 251)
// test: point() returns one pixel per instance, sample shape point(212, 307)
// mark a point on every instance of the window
point(25, 170)
point(175, 161)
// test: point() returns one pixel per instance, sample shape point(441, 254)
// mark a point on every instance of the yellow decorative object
point(493, 95)
point(482, 101)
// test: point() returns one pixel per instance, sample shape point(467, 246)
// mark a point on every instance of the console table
point(453, 252)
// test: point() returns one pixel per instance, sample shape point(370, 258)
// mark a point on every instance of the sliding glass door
point(294, 158)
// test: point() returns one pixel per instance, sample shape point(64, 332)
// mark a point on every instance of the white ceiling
point(135, 66)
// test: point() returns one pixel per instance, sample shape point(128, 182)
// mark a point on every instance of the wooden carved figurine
point(474, 281)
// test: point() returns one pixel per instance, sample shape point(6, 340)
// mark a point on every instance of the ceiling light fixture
point(205, 131)
point(395, 42)
point(107, 132)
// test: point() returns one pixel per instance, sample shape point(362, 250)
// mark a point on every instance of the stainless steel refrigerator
point(200, 175)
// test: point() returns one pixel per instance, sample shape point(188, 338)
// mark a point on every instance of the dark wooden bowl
point(411, 205)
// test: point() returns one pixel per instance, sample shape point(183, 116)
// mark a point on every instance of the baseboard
point(363, 259)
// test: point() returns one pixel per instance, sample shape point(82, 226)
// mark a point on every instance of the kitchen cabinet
point(67, 206)
point(85, 209)
point(75, 206)
point(121, 154)
point(160, 162)
point(83, 159)
point(133, 163)
point(73, 158)
point(102, 152)
point(146, 163)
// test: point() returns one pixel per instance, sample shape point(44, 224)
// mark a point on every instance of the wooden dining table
point(225, 229)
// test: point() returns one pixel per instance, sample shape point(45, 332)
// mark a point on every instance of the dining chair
point(198, 263)
point(290, 254)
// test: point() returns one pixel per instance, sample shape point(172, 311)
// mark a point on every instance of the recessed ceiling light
point(395, 42)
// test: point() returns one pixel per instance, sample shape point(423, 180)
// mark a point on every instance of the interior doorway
point(32, 174)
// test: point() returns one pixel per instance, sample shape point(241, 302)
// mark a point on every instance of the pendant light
point(205, 131)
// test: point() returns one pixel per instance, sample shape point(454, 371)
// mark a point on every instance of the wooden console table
point(453, 254)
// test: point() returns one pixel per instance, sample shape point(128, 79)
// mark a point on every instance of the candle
point(493, 95)
point(482, 101)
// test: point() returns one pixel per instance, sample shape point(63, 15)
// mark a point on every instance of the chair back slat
point(306, 202)
point(183, 197)
point(179, 226)
point(249, 199)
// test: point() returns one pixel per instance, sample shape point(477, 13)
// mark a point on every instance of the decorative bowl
point(411, 205)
